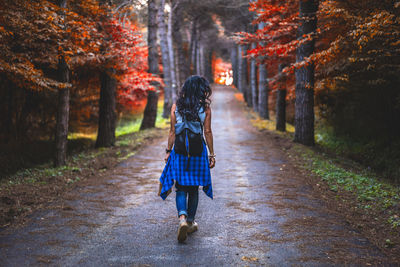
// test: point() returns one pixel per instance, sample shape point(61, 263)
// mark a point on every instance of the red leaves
point(84, 35)
point(129, 56)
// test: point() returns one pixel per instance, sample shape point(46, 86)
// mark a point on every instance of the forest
point(69, 67)
point(82, 80)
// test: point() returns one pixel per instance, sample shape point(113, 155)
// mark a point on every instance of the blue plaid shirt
point(196, 173)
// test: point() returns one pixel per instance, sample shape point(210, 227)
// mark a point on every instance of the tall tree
point(162, 32)
point(107, 112)
point(281, 101)
point(193, 45)
point(252, 102)
point(177, 25)
point(276, 38)
point(304, 104)
point(208, 68)
point(263, 90)
point(171, 53)
point(61, 134)
point(150, 111)
point(202, 58)
point(242, 69)
point(234, 62)
point(107, 100)
point(199, 48)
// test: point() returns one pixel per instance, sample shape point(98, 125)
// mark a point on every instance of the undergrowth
point(381, 154)
point(370, 191)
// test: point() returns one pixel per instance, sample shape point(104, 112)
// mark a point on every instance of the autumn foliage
point(33, 34)
point(356, 61)
point(276, 41)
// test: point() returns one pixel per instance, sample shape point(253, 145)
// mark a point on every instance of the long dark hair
point(195, 94)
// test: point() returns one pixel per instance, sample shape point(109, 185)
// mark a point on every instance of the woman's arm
point(209, 136)
point(171, 135)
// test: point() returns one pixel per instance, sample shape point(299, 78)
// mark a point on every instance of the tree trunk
point(177, 39)
point(241, 70)
point(304, 104)
point(174, 86)
point(253, 81)
point(8, 127)
point(281, 103)
point(281, 110)
point(202, 59)
point(198, 58)
point(195, 56)
point(150, 111)
point(234, 62)
point(107, 112)
point(193, 39)
point(61, 134)
point(62, 115)
point(263, 90)
point(107, 101)
point(162, 33)
point(208, 70)
point(152, 38)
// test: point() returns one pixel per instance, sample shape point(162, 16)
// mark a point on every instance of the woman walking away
point(187, 159)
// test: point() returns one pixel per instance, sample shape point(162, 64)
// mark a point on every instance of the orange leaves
point(279, 20)
point(128, 55)
point(3, 31)
point(32, 31)
point(50, 18)
point(33, 35)
point(26, 75)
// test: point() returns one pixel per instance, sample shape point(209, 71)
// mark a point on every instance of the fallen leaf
point(245, 258)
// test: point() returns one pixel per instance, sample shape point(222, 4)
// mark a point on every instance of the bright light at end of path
point(223, 72)
point(224, 78)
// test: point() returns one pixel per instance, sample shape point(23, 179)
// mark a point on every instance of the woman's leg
point(193, 201)
point(181, 203)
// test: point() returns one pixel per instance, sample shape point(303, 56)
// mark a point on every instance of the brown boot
point(182, 230)
point(193, 227)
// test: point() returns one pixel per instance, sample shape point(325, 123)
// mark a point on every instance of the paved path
point(262, 214)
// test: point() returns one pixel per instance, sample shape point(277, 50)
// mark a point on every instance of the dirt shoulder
point(368, 203)
point(35, 188)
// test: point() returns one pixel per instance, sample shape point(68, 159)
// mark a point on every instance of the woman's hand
point(212, 162)
point(167, 156)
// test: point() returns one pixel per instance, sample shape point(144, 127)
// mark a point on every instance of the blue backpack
point(189, 137)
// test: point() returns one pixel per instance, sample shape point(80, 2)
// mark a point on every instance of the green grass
point(128, 128)
point(381, 154)
point(127, 125)
point(37, 174)
point(370, 191)
point(133, 125)
point(264, 124)
point(270, 125)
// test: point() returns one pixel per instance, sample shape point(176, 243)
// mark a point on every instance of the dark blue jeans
point(187, 198)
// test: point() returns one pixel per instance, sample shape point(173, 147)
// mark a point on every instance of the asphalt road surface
point(262, 214)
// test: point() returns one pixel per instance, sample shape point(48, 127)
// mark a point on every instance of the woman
point(189, 172)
